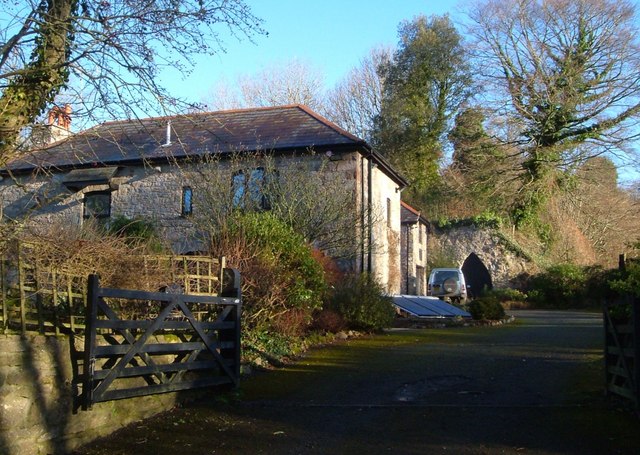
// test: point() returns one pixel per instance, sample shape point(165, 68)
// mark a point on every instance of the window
point(248, 190)
point(97, 205)
point(187, 201)
point(419, 233)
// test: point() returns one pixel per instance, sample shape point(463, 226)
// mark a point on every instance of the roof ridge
point(328, 122)
point(203, 113)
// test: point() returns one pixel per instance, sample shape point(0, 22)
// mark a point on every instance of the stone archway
point(476, 275)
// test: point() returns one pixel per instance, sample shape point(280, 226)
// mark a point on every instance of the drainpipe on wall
point(369, 214)
point(407, 229)
point(362, 215)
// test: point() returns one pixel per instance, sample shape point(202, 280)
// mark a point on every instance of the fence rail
point(37, 297)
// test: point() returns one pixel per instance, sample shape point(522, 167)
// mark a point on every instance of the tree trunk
point(40, 81)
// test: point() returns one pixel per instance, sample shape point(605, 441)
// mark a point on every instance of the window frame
point(247, 185)
point(187, 201)
point(89, 214)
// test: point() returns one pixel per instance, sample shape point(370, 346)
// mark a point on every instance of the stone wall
point(37, 409)
point(386, 231)
point(413, 258)
point(502, 262)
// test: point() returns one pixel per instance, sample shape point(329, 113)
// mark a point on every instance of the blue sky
point(330, 35)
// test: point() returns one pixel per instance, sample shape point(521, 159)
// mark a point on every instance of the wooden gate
point(140, 343)
point(622, 349)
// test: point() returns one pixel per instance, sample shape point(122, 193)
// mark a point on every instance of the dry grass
point(79, 251)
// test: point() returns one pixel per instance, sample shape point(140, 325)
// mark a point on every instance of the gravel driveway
point(533, 386)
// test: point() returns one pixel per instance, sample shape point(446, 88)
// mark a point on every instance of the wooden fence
point(622, 349)
point(36, 297)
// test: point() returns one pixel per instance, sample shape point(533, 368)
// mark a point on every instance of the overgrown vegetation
point(362, 303)
point(136, 231)
point(282, 282)
point(486, 307)
point(80, 250)
point(286, 287)
point(563, 286)
point(570, 286)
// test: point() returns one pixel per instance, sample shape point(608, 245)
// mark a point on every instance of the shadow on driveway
point(534, 386)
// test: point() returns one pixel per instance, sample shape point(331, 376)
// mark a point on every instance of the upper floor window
point(97, 204)
point(187, 201)
point(249, 189)
point(419, 233)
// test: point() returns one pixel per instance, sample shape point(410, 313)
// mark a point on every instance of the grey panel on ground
point(427, 307)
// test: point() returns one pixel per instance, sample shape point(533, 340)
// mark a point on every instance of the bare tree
point(307, 193)
point(102, 57)
point(355, 101)
point(567, 74)
point(281, 83)
point(605, 213)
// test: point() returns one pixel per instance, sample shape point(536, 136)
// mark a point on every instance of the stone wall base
point(37, 414)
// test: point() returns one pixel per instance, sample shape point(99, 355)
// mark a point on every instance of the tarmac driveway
point(534, 386)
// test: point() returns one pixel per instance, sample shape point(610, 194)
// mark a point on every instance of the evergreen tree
point(425, 83)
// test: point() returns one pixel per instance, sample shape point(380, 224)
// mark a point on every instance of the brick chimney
point(59, 123)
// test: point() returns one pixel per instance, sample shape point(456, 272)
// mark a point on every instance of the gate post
point(91, 314)
point(635, 321)
point(232, 287)
point(605, 320)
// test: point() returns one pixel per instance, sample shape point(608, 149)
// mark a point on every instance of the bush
point(571, 286)
point(626, 281)
point(136, 231)
point(561, 286)
point(486, 308)
point(363, 304)
point(279, 272)
point(327, 320)
point(80, 250)
point(508, 295)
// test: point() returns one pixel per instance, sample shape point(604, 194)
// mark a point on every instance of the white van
point(447, 284)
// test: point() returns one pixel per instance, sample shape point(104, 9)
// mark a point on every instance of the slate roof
point(271, 129)
point(409, 215)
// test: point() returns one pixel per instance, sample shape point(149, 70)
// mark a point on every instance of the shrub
point(332, 273)
point(627, 281)
point(80, 250)
point(136, 231)
point(572, 286)
point(327, 320)
point(363, 304)
point(291, 323)
point(508, 295)
point(279, 272)
point(509, 298)
point(561, 286)
point(486, 308)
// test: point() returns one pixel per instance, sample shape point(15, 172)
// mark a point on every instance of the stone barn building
point(144, 168)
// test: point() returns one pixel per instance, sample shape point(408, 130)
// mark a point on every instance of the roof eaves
point(387, 167)
point(414, 211)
